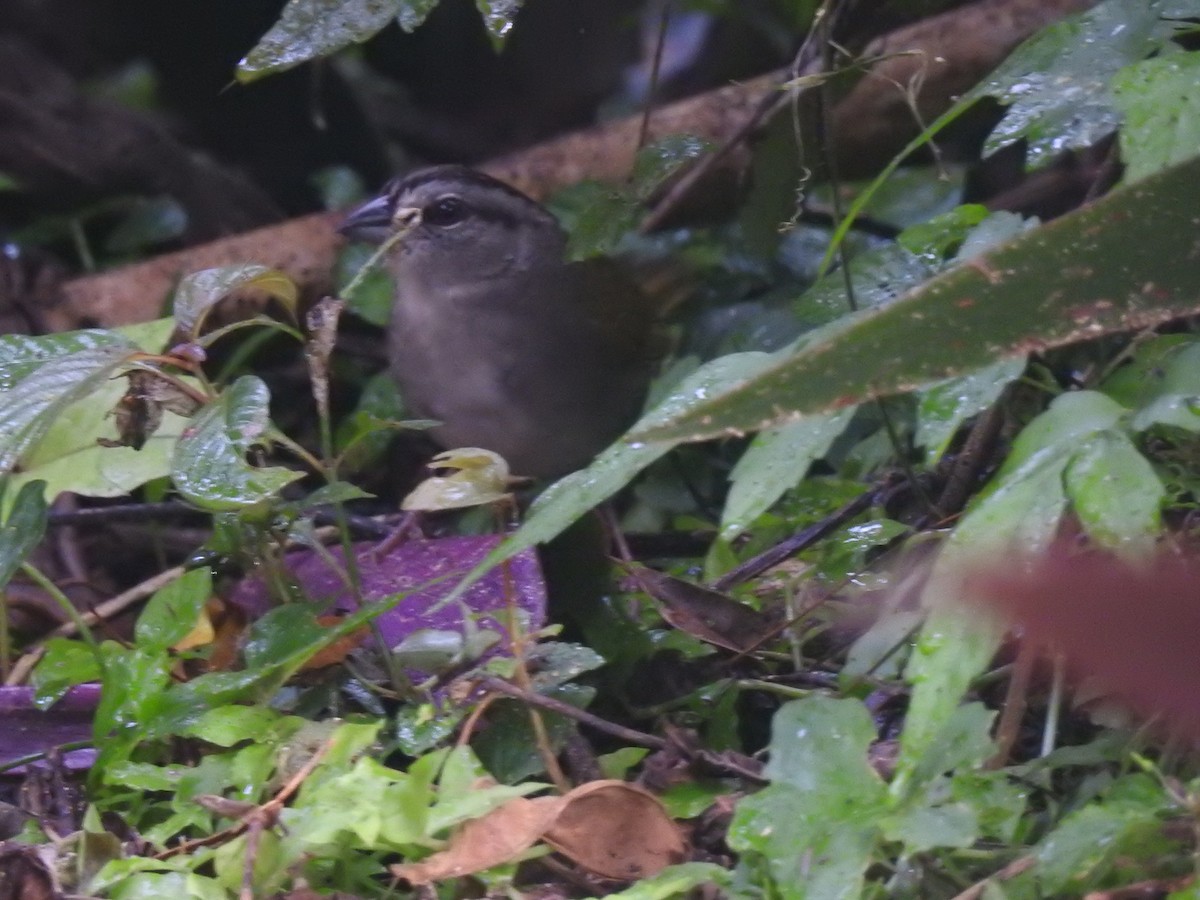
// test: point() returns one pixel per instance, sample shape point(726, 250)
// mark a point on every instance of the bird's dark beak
point(370, 223)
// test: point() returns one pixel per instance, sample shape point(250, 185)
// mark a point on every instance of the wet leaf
point(1056, 84)
point(814, 827)
point(41, 377)
point(208, 465)
point(774, 463)
point(309, 29)
point(1128, 261)
point(1116, 494)
point(944, 407)
point(72, 456)
point(199, 292)
point(171, 614)
point(499, 17)
point(479, 477)
point(23, 527)
point(1160, 98)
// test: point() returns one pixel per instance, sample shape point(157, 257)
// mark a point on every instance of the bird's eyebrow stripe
point(453, 178)
point(452, 175)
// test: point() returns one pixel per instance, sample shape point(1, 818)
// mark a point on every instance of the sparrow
point(495, 334)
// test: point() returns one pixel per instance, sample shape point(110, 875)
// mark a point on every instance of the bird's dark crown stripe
point(452, 175)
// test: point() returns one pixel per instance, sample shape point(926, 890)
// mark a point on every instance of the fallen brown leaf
point(616, 830)
point(498, 837)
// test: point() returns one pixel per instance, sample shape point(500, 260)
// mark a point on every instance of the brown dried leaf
point(616, 830)
point(706, 614)
point(336, 652)
point(498, 837)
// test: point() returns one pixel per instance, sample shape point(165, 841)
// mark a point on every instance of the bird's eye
point(445, 211)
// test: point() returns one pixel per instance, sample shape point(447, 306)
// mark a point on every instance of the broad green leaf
point(134, 681)
point(945, 406)
point(281, 635)
point(1089, 840)
point(1116, 494)
point(136, 879)
point(1096, 271)
point(375, 293)
point(1162, 365)
point(951, 650)
point(815, 826)
point(1160, 99)
point(309, 29)
point(209, 466)
point(148, 221)
point(228, 726)
point(1056, 84)
point(1015, 517)
point(67, 457)
point(932, 240)
point(174, 610)
point(964, 741)
point(199, 292)
point(41, 377)
point(774, 462)
point(65, 664)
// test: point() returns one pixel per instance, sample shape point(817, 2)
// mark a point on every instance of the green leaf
point(209, 467)
point(1056, 84)
point(228, 726)
point(498, 17)
point(68, 457)
point(309, 29)
point(933, 240)
point(199, 292)
point(174, 610)
point(1096, 271)
point(1087, 842)
point(1116, 494)
point(774, 462)
point(282, 635)
point(946, 405)
point(677, 881)
point(40, 377)
point(65, 664)
point(952, 649)
point(1160, 99)
point(130, 701)
point(816, 825)
point(1016, 516)
point(22, 529)
point(147, 222)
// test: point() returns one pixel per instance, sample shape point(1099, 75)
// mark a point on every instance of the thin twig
point(102, 611)
point(508, 689)
point(655, 68)
point(802, 539)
